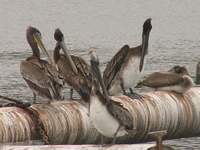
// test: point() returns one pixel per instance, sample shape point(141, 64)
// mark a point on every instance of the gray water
point(104, 27)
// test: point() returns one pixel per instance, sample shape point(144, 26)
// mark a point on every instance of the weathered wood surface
point(80, 147)
point(67, 122)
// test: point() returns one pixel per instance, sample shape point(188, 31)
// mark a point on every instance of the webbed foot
point(134, 96)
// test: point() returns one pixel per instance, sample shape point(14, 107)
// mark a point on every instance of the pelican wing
point(160, 79)
point(121, 113)
point(40, 79)
point(35, 73)
point(53, 73)
point(84, 70)
point(114, 65)
point(56, 80)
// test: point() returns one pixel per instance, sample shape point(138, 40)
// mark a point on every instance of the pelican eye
point(40, 35)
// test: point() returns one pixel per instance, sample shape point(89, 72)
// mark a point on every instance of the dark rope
point(18, 102)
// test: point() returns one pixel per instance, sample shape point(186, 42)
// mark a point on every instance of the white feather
point(103, 121)
point(129, 74)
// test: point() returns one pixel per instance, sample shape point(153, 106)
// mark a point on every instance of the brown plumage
point(121, 113)
point(41, 77)
point(160, 79)
point(124, 69)
point(177, 79)
point(114, 65)
point(80, 81)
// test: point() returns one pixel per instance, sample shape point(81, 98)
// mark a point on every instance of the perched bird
point(41, 77)
point(75, 69)
point(124, 69)
point(176, 79)
point(109, 117)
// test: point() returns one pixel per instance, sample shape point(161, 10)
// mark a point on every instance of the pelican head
point(179, 70)
point(145, 38)
point(34, 38)
point(59, 37)
point(94, 60)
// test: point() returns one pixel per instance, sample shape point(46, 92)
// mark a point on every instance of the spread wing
point(121, 113)
point(114, 65)
point(160, 79)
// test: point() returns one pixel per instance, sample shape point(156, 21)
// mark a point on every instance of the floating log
point(68, 122)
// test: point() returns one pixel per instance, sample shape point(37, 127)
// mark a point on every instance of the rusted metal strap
point(34, 115)
point(39, 125)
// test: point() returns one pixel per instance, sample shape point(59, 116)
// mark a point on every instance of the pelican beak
point(97, 73)
point(145, 39)
point(64, 48)
point(38, 40)
point(144, 49)
point(172, 70)
point(55, 66)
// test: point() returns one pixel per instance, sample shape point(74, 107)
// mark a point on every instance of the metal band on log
point(68, 122)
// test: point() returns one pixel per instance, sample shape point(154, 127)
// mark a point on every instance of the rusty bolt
point(158, 135)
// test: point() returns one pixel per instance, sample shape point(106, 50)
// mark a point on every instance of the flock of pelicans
point(122, 72)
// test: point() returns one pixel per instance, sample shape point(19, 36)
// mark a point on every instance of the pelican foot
point(37, 103)
point(134, 96)
point(132, 132)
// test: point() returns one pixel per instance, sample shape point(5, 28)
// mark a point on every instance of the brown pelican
point(109, 117)
point(177, 79)
point(41, 77)
point(76, 71)
point(124, 69)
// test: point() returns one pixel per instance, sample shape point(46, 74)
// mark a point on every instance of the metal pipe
point(67, 122)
